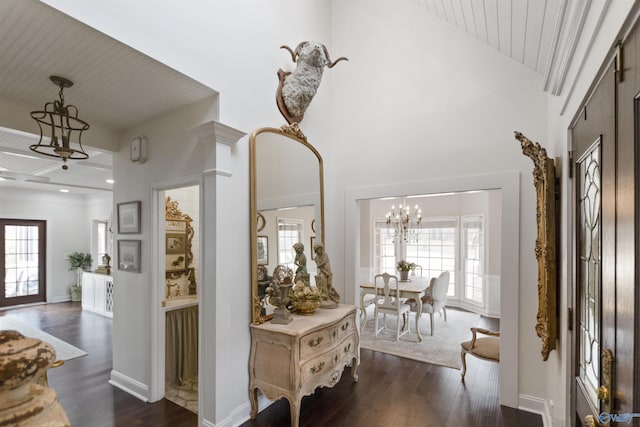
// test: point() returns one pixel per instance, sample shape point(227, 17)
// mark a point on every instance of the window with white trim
point(435, 249)
point(473, 258)
point(289, 233)
point(384, 248)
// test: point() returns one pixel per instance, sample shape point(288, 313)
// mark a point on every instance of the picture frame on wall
point(263, 250)
point(175, 243)
point(129, 255)
point(129, 217)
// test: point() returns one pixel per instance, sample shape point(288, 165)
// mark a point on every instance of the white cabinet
point(97, 293)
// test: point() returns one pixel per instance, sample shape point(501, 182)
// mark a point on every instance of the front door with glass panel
point(605, 217)
point(22, 250)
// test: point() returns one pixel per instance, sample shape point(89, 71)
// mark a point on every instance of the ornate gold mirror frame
point(544, 179)
point(289, 134)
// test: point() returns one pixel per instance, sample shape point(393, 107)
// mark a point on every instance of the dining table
point(415, 288)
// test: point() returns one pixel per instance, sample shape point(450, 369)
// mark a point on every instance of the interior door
point(605, 228)
point(22, 271)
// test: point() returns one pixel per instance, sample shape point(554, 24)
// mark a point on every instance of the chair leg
point(444, 310)
point(431, 319)
point(463, 356)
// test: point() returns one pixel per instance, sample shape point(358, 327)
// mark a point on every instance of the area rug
point(64, 351)
point(443, 348)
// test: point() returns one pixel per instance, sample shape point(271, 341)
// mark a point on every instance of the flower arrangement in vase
point(404, 268)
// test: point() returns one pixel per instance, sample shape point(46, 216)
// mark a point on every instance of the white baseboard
point(241, 414)
point(59, 298)
point(129, 385)
point(536, 405)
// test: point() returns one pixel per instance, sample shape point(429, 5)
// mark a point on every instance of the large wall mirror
point(287, 206)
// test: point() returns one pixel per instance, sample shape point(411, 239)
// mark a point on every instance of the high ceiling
point(540, 34)
point(115, 87)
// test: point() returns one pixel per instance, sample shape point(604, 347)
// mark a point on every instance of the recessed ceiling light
point(64, 190)
point(110, 181)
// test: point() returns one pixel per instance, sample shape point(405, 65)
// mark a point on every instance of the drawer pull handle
point(345, 326)
point(317, 368)
point(315, 342)
point(347, 348)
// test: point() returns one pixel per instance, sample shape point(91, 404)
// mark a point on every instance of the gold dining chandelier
point(59, 125)
point(404, 222)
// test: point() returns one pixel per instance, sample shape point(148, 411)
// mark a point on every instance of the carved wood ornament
point(544, 179)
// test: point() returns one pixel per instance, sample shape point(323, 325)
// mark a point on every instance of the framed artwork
point(175, 243)
point(129, 217)
point(175, 225)
point(129, 255)
point(263, 250)
point(313, 242)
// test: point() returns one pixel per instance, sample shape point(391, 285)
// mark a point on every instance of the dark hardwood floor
point(391, 391)
point(82, 383)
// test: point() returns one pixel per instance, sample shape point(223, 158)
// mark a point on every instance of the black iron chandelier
point(59, 125)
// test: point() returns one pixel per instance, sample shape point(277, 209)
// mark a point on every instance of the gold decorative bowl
point(306, 306)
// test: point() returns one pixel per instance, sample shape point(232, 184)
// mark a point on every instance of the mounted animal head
point(297, 88)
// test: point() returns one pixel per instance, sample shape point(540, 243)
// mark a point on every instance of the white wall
point(68, 218)
point(436, 105)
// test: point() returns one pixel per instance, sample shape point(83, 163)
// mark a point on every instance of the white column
point(218, 141)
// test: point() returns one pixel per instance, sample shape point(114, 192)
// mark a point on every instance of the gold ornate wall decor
point(544, 179)
point(178, 235)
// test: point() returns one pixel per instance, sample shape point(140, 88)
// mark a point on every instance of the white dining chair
point(388, 302)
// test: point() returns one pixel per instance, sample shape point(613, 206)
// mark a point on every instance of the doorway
point(23, 254)
point(179, 281)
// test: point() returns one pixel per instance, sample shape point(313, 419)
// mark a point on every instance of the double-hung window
point(289, 233)
point(454, 244)
point(435, 249)
point(473, 258)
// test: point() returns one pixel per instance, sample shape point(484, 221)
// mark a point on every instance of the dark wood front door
point(604, 137)
point(22, 270)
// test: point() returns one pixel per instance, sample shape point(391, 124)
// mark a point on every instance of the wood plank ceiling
point(115, 87)
point(539, 34)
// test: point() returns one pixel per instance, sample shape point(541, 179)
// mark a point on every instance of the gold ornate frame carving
point(544, 179)
point(179, 224)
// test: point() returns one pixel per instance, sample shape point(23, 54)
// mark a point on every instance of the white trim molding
point(129, 385)
point(536, 405)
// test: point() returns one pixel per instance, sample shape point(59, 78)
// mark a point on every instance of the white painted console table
point(293, 360)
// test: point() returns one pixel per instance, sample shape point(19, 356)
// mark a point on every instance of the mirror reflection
point(287, 208)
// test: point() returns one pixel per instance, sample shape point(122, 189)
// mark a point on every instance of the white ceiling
point(539, 34)
point(115, 86)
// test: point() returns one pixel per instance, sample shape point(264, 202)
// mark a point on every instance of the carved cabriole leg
point(444, 310)
point(418, 316)
point(354, 369)
point(463, 356)
point(253, 398)
point(294, 408)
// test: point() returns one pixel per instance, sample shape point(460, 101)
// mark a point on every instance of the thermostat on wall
point(138, 149)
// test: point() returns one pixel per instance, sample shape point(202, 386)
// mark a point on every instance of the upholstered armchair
point(435, 300)
point(485, 348)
